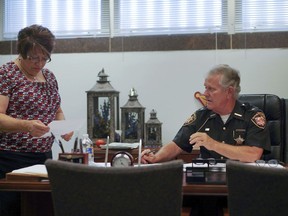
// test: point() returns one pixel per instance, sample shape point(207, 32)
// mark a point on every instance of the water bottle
point(88, 148)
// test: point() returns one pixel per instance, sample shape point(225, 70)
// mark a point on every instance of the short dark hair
point(35, 35)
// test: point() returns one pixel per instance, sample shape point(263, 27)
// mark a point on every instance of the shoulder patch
point(190, 120)
point(259, 120)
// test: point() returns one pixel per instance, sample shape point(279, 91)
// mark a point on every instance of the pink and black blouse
point(28, 100)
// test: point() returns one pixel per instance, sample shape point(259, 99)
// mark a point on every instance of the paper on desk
point(118, 145)
point(37, 170)
point(102, 164)
point(218, 165)
point(61, 127)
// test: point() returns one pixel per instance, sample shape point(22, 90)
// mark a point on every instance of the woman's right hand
point(36, 128)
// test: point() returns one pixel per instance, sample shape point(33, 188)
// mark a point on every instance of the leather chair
point(285, 150)
point(255, 190)
point(272, 106)
point(79, 189)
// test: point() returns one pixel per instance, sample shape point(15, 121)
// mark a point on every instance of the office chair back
point(285, 150)
point(88, 190)
point(272, 106)
point(254, 190)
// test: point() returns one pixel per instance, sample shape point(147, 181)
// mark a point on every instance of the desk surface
point(44, 186)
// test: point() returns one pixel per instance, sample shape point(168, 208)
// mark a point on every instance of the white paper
point(37, 170)
point(61, 127)
point(118, 145)
point(218, 165)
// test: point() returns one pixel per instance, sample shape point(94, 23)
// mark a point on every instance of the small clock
point(122, 159)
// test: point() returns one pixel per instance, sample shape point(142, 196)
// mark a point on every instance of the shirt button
point(224, 128)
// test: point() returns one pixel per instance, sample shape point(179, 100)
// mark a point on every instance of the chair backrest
point(254, 190)
point(79, 189)
point(272, 106)
point(285, 150)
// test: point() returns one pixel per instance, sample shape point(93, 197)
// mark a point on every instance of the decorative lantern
point(153, 131)
point(103, 110)
point(132, 119)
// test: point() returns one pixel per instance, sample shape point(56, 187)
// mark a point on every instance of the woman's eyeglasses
point(36, 59)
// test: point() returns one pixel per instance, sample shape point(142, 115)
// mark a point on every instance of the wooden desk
point(44, 186)
point(36, 197)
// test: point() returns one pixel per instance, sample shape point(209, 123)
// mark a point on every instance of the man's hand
point(147, 156)
point(202, 139)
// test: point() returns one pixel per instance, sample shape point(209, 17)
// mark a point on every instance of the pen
point(59, 143)
point(80, 145)
point(75, 144)
point(61, 146)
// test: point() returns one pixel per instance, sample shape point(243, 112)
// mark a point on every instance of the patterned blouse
point(28, 100)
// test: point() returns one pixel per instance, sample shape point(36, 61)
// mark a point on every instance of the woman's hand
point(36, 128)
point(67, 136)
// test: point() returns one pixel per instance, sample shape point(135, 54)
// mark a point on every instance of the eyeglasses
point(271, 163)
point(36, 59)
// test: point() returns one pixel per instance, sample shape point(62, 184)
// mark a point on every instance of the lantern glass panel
point(152, 133)
point(101, 117)
point(131, 125)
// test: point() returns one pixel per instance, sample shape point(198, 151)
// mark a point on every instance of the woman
point(29, 101)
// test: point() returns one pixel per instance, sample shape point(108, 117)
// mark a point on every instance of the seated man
point(223, 129)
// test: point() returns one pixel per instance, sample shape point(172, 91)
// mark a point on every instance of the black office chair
point(79, 189)
point(254, 190)
point(272, 106)
point(285, 150)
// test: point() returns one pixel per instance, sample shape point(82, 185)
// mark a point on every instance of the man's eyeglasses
point(36, 59)
point(271, 163)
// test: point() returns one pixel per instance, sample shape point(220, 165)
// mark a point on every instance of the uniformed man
point(225, 128)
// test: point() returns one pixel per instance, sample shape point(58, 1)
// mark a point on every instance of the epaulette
point(193, 117)
point(190, 120)
point(250, 107)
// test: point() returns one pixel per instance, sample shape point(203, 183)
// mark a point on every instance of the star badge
point(239, 140)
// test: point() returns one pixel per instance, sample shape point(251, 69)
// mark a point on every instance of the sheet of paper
point(37, 170)
point(118, 145)
point(218, 165)
point(62, 127)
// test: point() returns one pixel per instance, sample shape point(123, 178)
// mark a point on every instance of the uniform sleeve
point(183, 135)
point(258, 132)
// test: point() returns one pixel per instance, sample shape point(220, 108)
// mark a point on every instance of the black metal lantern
point(132, 119)
point(103, 110)
point(153, 131)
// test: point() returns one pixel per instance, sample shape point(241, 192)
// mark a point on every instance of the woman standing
point(29, 101)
